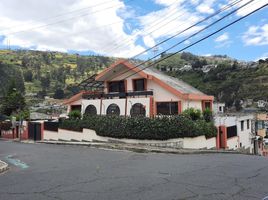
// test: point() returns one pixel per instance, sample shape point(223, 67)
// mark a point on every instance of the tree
point(59, 94)
point(45, 82)
point(28, 76)
point(13, 101)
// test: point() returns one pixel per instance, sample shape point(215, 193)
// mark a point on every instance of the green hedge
point(160, 128)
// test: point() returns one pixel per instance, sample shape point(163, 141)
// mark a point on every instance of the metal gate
point(34, 129)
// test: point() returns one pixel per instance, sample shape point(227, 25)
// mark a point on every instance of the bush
point(5, 126)
point(75, 114)
point(192, 113)
point(207, 115)
point(160, 128)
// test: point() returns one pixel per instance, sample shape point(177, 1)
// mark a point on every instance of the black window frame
point(242, 125)
point(135, 84)
point(248, 124)
point(116, 109)
point(170, 106)
point(116, 86)
point(231, 131)
point(138, 107)
point(90, 110)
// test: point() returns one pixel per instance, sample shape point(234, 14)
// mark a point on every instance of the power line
point(58, 22)
point(155, 23)
point(196, 33)
point(200, 40)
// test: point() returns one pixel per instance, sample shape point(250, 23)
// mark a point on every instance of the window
point(116, 86)
point(220, 108)
point(167, 108)
point(231, 131)
point(139, 85)
point(137, 110)
point(113, 109)
point(248, 124)
point(91, 110)
point(207, 105)
point(242, 125)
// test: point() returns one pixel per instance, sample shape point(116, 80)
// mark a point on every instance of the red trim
point(204, 105)
point(125, 63)
point(101, 106)
point(221, 137)
point(179, 107)
point(151, 107)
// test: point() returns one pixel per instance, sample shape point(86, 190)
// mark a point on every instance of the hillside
point(45, 73)
point(57, 74)
point(227, 79)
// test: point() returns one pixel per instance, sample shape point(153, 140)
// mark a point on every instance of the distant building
point(235, 131)
point(218, 107)
point(262, 104)
point(207, 68)
point(186, 68)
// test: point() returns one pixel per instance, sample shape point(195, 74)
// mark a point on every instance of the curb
point(3, 166)
point(141, 149)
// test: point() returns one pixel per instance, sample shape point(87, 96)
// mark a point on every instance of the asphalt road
point(41, 171)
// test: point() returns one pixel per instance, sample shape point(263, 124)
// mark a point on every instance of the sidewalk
point(3, 166)
point(138, 148)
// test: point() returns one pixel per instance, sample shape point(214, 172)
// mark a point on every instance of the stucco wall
point(90, 135)
point(233, 143)
point(192, 104)
point(94, 102)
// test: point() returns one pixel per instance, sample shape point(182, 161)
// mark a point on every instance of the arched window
point(113, 109)
point(90, 110)
point(137, 110)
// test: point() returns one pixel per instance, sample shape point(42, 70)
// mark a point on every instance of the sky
point(126, 28)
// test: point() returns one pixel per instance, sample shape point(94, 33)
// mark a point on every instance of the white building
point(132, 90)
point(218, 107)
point(235, 131)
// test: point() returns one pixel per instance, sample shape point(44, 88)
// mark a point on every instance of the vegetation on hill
point(229, 81)
point(48, 73)
point(55, 74)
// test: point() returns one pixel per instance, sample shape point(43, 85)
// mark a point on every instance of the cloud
point(206, 7)
point(222, 38)
point(250, 7)
point(169, 21)
point(263, 56)
point(256, 35)
point(88, 29)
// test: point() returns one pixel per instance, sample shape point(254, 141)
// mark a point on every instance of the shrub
point(75, 114)
point(159, 128)
point(194, 114)
point(5, 125)
point(207, 115)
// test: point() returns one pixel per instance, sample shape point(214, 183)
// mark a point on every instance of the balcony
point(118, 94)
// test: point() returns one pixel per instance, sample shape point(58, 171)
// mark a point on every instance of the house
point(262, 104)
point(235, 131)
point(261, 130)
point(131, 90)
point(218, 107)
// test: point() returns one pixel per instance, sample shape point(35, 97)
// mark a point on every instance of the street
point(43, 171)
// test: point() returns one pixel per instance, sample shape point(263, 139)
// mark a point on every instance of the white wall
point(121, 103)
point(192, 104)
point(143, 101)
point(94, 102)
point(90, 135)
point(233, 143)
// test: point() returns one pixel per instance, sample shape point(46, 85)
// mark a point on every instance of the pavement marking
point(16, 162)
point(265, 198)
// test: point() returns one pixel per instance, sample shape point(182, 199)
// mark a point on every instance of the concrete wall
point(90, 135)
point(233, 143)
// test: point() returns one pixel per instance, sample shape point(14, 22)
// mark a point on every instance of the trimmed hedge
point(160, 128)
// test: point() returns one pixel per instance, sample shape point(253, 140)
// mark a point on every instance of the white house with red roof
point(133, 90)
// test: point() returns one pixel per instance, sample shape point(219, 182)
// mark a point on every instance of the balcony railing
point(112, 95)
